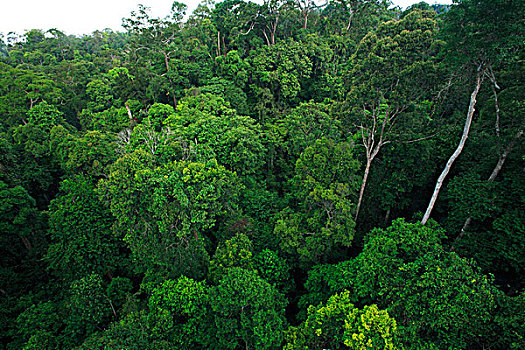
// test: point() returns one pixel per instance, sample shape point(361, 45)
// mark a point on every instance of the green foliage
point(397, 179)
point(409, 48)
point(128, 333)
point(280, 71)
point(118, 291)
point(18, 214)
point(274, 270)
point(497, 249)
point(39, 326)
point(247, 310)
point(127, 160)
point(180, 313)
point(326, 184)
point(235, 252)
point(159, 113)
point(110, 106)
point(36, 169)
point(230, 92)
point(485, 31)
point(80, 231)
point(44, 115)
point(20, 90)
point(305, 124)
point(234, 68)
point(22, 246)
point(340, 325)
point(167, 213)
point(161, 143)
point(326, 280)
point(508, 327)
point(89, 154)
point(219, 132)
point(405, 269)
point(112, 119)
point(87, 305)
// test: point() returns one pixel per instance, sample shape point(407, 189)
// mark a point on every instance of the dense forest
point(283, 175)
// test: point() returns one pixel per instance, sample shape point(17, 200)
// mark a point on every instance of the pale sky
point(85, 16)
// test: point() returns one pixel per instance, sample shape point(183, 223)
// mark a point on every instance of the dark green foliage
point(325, 187)
point(87, 304)
point(248, 311)
point(40, 324)
point(80, 229)
point(167, 214)
point(219, 132)
point(326, 280)
point(235, 252)
point(439, 299)
point(129, 333)
point(89, 154)
point(236, 179)
point(180, 313)
point(274, 269)
point(22, 246)
point(485, 31)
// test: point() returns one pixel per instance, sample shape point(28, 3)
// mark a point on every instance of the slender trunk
point(372, 149)
point(129, 113)
point(458, 150)
point(363, 185)
point(218, 51)
point(349, 21)
point(493, 176)
point(111, 304)
point(167, 64)
point(266, 37)
point(274, 30)
point(387, 216)
point(504, 156)
point(305, 22)
point(306, 11)
point(26, 242)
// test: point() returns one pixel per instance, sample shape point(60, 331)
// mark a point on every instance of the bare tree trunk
point(166, 62)
point(26, 242)
point(111, 304)
point(129, 112)
point(363, 185)
point(305, 11)
point(504, 156)
point(274, 30)
point(387, 216)
point(266, 37)
point(458, 150)
point(349, 21)
point(493, 176)
point(218, 50)
point(372, 149)
point(305, 20)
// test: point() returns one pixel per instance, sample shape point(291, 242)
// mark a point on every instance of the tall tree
point(394, 76)
point(168, 213)
point(481, 35)
point(155, 42)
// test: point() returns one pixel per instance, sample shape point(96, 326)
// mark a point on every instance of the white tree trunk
point(458, 150)
point(363, 185)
